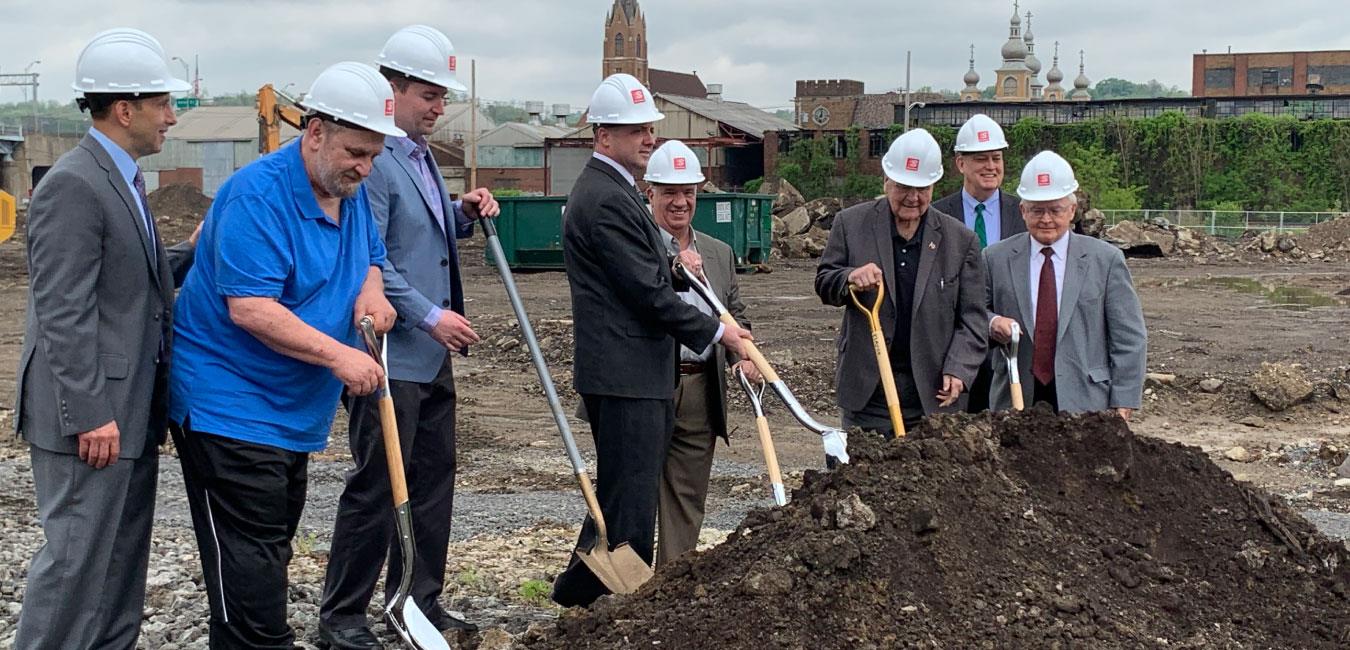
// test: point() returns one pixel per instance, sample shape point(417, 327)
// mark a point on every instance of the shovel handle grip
point(393, 451)
point(874, 313)
point(770, 455)
point(1017, 403)
point(752, 352)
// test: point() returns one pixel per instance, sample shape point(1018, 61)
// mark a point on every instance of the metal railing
point(11, 130)
point(1226, 223)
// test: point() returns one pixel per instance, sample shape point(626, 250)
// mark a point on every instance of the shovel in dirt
point(883, 357)
point(401, 613)
point(835, 440)
point(765, 440)
point(620, 569)
point(1014, 378)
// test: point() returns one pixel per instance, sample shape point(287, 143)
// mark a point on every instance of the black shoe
point(447, 622)
point(352, 638)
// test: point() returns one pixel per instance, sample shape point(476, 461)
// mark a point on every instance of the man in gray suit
point(91, 398)
point(1073, 295)
point(673, 175)
point(932, 318)
point(984, 209)
point(419, 224)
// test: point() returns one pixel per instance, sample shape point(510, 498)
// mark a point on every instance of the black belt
point(692, 367)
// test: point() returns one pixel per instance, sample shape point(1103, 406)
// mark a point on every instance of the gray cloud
point(550, 49)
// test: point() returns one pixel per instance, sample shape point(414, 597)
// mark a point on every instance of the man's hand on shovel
point(866, 277)
point(734, 338)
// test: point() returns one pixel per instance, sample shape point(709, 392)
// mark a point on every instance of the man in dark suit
point(627, 319)
point(673, 176)
point(91, 398)
point(419, 224)
point(984, 209)
point(933, 317)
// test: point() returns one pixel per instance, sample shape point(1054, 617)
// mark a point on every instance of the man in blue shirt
point(267, 340)
point(984, 208)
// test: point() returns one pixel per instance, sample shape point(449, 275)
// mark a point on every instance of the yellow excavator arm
point(8, 212)
point(271, 114)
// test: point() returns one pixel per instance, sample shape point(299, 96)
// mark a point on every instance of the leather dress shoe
point(447, 622)
point(352, 638)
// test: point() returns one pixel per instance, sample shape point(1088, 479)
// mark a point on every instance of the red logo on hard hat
point(638, 96)
point(679, 163)
point(912, 164)
point(1043, 180)
point(982, 136)
point(452, 64)
point(388, 107)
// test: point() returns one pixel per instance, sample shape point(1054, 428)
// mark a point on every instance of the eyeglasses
point(1049, 210)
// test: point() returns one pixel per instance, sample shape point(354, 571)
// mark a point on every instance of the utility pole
point(473, 124)
point(906, 98)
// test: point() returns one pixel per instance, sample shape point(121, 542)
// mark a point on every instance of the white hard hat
point(1047, 177)
point(622, 99)
point(356, 94)
point(423, 53)
point(674, 163)
point(980, 133)
point(914, 159)
point(125, 60)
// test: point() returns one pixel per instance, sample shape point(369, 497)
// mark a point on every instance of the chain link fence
point(1226, 223)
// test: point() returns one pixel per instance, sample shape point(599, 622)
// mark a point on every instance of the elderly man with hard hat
point(1073, 295)
point(673, 177)
point(985, 209)
point(96, 348)
point(627, 321)
point(266, 339)
point(419, 224)
point(932, 318)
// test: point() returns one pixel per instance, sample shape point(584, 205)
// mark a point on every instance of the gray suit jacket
point(1101, 350)
point(98, 316)
point(1010, 214)
point(950, 332)
point(719, 267)
point(626, 314)
point(422, 267)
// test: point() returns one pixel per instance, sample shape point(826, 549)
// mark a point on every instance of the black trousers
point(246, 501)
point(631, 437)
point(364, 533)
point(978, 401)
point(876, 416)
point(1044, 393)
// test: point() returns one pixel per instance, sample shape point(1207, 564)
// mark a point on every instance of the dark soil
point(177, 209)
point(1036, 531)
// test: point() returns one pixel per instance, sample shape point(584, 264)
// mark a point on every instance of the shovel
point(1014, 379)
point(883, 357)
point(621, 570)
point(402, 613)
point(835, 440)
point(765, 440)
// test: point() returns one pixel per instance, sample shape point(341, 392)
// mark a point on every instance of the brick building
point(1271, 73)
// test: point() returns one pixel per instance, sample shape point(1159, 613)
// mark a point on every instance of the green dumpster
point(530, 228)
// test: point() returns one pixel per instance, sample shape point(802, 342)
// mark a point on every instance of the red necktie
point(1047, 323)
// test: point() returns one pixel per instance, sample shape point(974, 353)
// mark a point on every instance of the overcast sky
point(550, 50)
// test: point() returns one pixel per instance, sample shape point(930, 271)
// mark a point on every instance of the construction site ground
point(517, 508)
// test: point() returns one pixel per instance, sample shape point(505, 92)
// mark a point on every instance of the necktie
point(150, 229)
point(979, 225)
point(1047, 323)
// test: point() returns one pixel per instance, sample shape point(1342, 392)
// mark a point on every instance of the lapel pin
point(932, 245)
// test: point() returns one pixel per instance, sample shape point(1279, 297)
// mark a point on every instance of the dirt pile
point(1327, 239)
point(1037, 532)
point(178, 209)
point(1159, 238)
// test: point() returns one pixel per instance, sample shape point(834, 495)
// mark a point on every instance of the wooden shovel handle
point(888, 382)
point(593, 505)
point(1017, 402)
point(770, 456)
point(752, 352)
point(393, 451)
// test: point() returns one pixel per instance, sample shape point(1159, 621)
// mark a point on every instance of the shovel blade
point(412, 626)
point(620, 570)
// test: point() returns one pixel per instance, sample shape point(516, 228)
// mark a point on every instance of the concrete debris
point(1211, 385)
point(1159, 238)
point(1279, 386)
point(1238, 455)
point(1160, 378)
point(788, 198)
point(1093, 223)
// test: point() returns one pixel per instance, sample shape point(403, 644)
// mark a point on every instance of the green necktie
point(979, 225)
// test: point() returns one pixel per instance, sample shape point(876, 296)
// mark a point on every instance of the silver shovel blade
point(412, 626)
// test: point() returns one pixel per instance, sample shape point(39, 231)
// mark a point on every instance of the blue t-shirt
point(265, 236)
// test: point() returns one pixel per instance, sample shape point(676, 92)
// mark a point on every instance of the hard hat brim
point(979, 149)
point(913, 180)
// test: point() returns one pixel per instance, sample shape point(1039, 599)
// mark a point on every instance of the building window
point(637, 46)
point(784, 143)
point(618, 45)
point(1219, 78)
point(876, 144)
point(840, 146)
point(1010, 86)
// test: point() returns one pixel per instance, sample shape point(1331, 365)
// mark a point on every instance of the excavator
point(275, 108)
point(8, 211)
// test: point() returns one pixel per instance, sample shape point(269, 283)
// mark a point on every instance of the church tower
point(971, 93)
point(625, 45)
point(1013, 83)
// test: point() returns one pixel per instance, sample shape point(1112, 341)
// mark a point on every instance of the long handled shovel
point(883, 357)
point(621, 570)
point(1014, 378)
point(834, 439)
point(402, 613)
point(765, 440)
